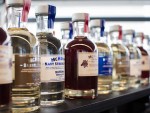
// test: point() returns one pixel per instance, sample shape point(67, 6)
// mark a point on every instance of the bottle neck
point(44, 24)
point(14, 18)
point(128, 39)
point(66, 34)
point(80, 28)
point(138, 42)
point(116, 38)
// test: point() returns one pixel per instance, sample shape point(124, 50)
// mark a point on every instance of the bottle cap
point(115, 28)
point(140, 34)
point(10, 2)
point(80, 17)
point(97, 23)
point(65, 25)
point(45, 9)
point(129, 31)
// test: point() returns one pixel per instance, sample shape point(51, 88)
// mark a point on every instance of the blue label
point(104, 66)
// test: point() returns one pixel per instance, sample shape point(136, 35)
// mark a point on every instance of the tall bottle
point(26, 78)
point(5, 72)
point(67, 32)
point(135, 59)
point(121, 64)
point(52, 62)
point(145, 67)
point(104, 56)
point(81, 61)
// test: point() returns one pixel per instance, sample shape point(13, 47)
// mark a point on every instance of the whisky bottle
point(81, 61)
point(121, 64)
point(26, 77)
point(104, 56)
point(5, 72)
point(145, 61)
point(52, 62)
point(135, 58)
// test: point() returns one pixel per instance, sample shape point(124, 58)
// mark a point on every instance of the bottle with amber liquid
point(121, 61)
point(145, 61)
point(26, 75)
point(5, 72)
point(104, 56)
point(81, 61)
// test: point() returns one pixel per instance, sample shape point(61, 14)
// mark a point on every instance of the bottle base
point(51, 103)
point(80, 94)
point(119, 86)
point(25, 110)
point(144, 81)
point(104, 89)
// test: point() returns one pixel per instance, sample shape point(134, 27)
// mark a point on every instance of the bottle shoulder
point(143, 51)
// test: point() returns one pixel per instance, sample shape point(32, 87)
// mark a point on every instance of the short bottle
point(104, 56)
point(145, 61)
point(67, 33)
point(81, 61)
point(26, 77)
point(135, 58)
point(121, 62)
point(52, 62)
point(5, 72)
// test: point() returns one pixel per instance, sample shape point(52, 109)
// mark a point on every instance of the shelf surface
point(101, 103)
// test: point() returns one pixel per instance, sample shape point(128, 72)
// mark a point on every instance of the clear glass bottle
point(5, 72)
point(26, 77)
point(52, 62)
point(121, 62)
point(104, 56)
point(145, 67)
point(67, 33)
point(81, 61)
point(135, 58)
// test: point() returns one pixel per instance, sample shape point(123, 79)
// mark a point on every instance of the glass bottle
point(26, 77)
point(121, 64)
point(5, 72)
point(52, 62)
point(145, 67)
point(104, 56)
point(67, 33)
point(135, 58)
point(81, 61)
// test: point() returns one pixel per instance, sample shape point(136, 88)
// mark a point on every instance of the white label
point(145, 63)
point(87, 64)
point(52, 68)
point(5, 64)
point(135, 67)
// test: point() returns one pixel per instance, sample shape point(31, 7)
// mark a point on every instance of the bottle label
point(27, 70)
point(105, 66)
point(87, 64)
point(145, 63)
point(135, 67)
point(5, 64)
point(122, 66)
point(52, 68)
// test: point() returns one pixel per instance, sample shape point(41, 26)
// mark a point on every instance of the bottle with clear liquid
point(5, 72)
point(145, 61)
point(104, 56)
point(67, 33)
point(26, 73)
point(52, 62)
point(135, 59)
point(81, 61)
point(121, 62)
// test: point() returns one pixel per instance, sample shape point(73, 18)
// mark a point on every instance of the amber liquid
point(73, 82)
point(5, 95)
point(144, 74)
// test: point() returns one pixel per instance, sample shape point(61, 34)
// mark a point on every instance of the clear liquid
point(120, 68)
point(134, 80)
point(26, 78)
point(52, 92)
point(104, 81)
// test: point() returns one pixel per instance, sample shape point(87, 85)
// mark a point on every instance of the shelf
point(101, 103)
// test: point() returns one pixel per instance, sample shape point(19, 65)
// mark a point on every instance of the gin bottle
point(121, 64)
point(145, 61)
point(26, 78)
point(135, 59)
point(81, 61)
point(104, 56)
point(52, 62)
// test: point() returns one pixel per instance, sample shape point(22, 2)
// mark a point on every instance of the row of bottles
point(45, 70)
